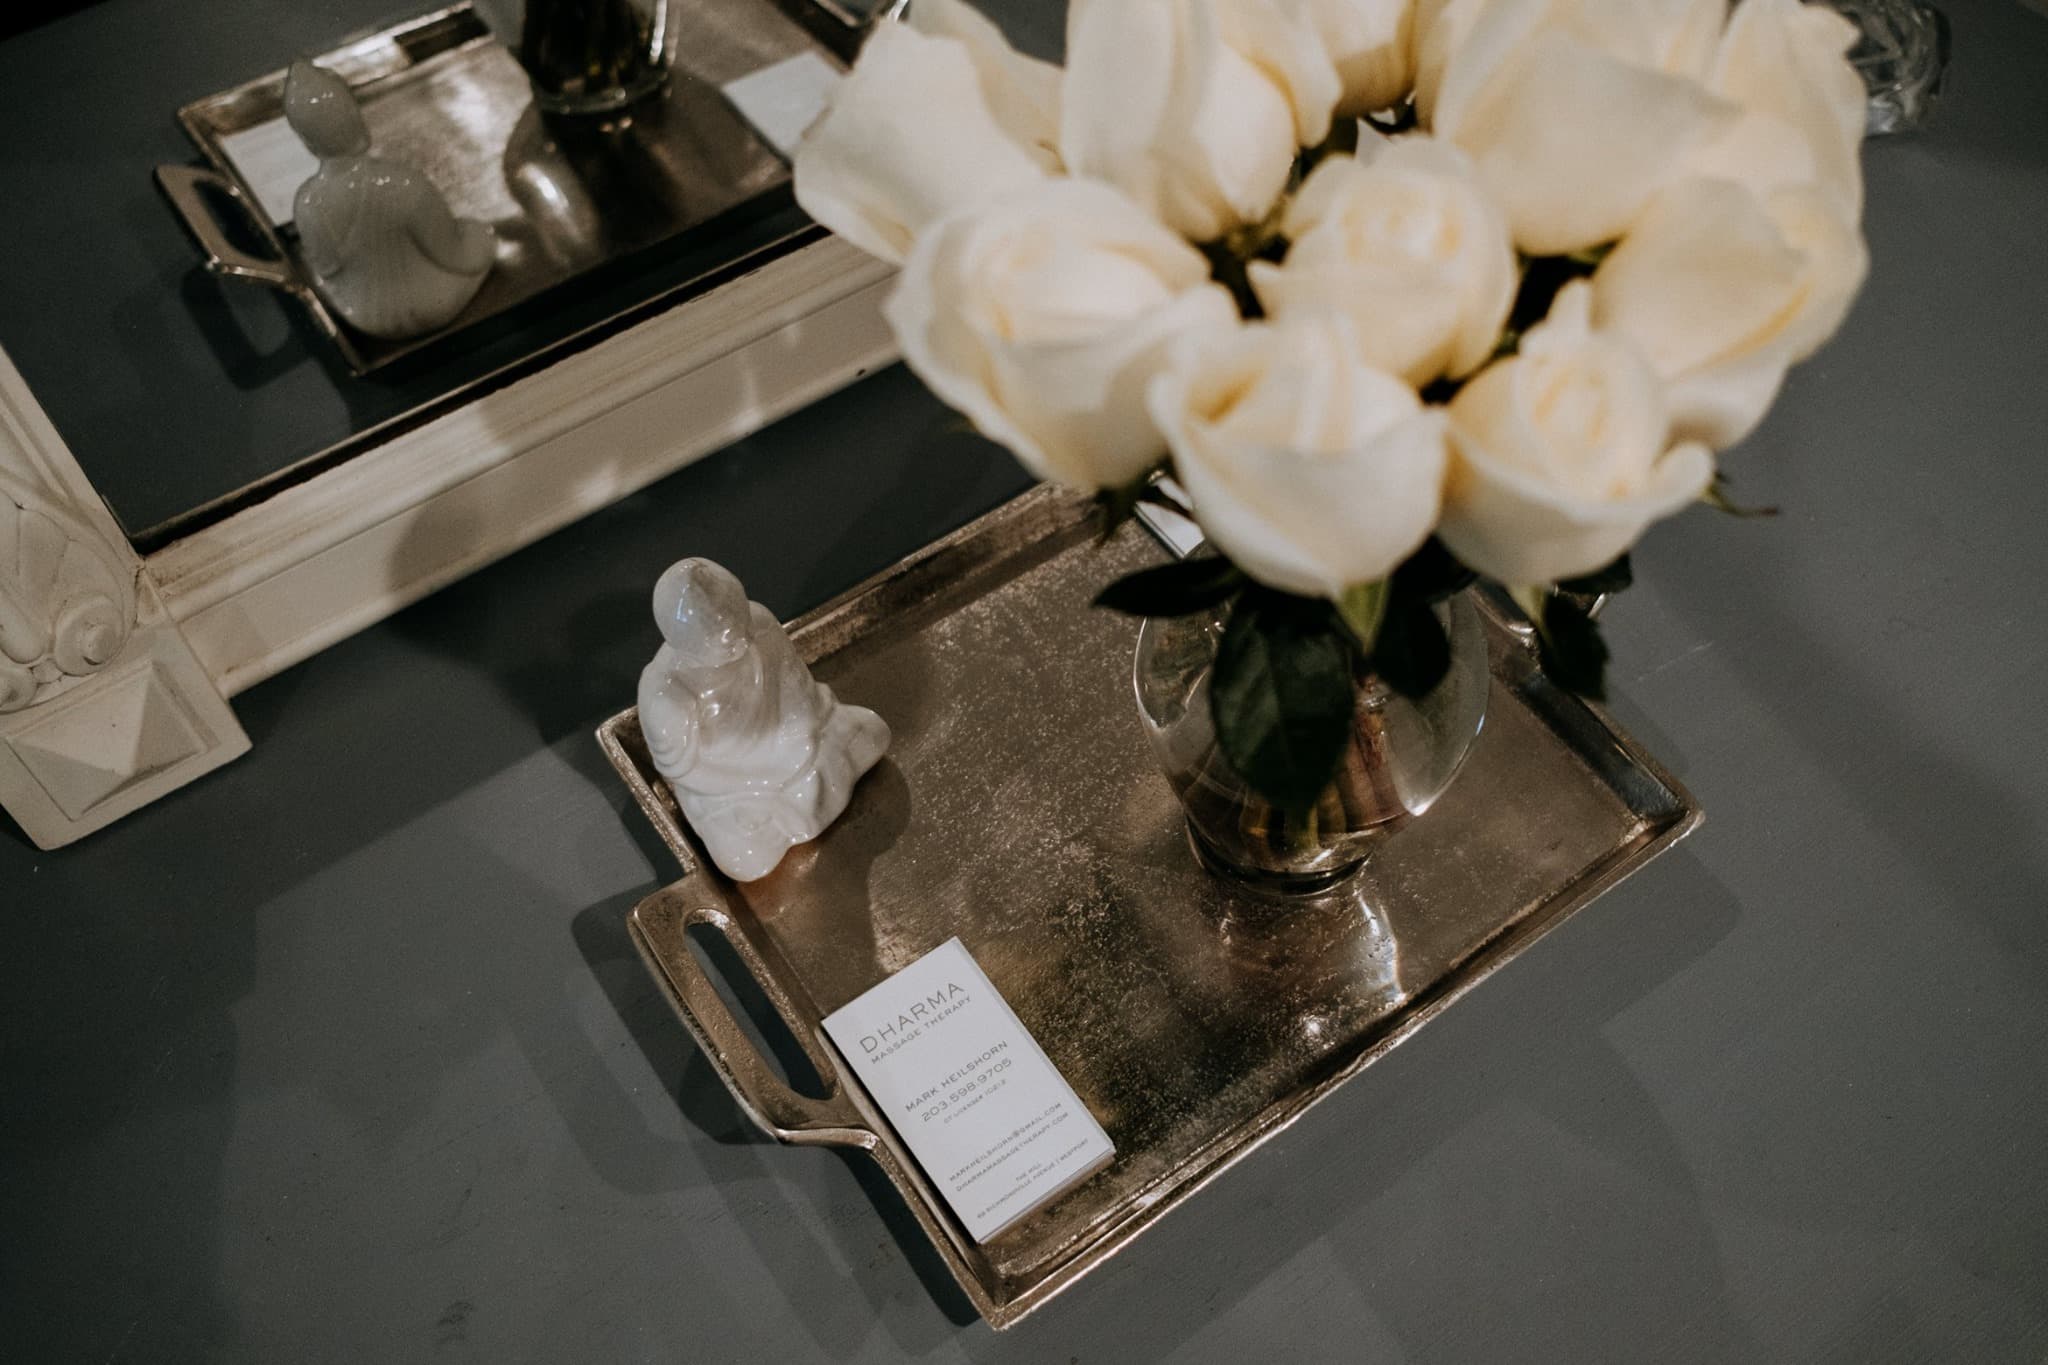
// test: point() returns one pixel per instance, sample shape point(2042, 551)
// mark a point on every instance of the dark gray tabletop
point(342, 1055)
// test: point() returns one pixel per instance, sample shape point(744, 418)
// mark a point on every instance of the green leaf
point(1717, 498)
point(1227, 259)
point(1342, 141)
point(1361, 608)
point(1282, 695)
point(1613, 578)
point(1398, 119)
point(1573, 653)
point(1530, 598)
point(1542, 278)
point(1432, 573)
point(1413, 653)
point(1120, 504)
point(1181, 588)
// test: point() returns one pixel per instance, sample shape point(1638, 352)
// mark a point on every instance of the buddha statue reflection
point(386, 251)
point(761, 756)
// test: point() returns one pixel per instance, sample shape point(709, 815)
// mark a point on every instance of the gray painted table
point(341, 1055)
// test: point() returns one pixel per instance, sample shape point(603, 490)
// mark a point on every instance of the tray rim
point(1043, 521)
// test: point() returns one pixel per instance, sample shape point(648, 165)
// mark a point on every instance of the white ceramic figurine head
point(703, 613)
point(322, 110)
point(383, 247)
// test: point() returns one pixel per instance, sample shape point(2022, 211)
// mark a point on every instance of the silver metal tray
point(565, 196)
point(1021, 810)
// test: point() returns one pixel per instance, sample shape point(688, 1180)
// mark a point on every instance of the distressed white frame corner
point(103, 706)
point(114, 668)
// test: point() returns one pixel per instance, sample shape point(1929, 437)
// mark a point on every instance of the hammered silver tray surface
point(566, 197)
point(1020, 809)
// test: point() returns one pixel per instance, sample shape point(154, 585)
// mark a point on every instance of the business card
point(997, 1129)
point(782, 100)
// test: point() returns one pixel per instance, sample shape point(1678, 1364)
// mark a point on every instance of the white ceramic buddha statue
point(761, 756)
point(386, 251)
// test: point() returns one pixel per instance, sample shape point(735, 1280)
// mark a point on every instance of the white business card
point(783, 100)
point(995, 1126)
point(1177, 530)
point(273, 163)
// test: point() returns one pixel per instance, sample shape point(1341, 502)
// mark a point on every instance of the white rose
point(1312, 470)
point(1677, 37)
point(1559, 458)
point(1371, 44)
point(1406, 242)
point(916, 131)
point(1044, 314)
point(1723, 292)
point(1574, 111)
point(1803, 106)
point(1436, 29)
point(1022, 92)
point(1194, 108)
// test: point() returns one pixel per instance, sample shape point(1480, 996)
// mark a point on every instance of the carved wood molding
point(103, 706)
point(67, 602)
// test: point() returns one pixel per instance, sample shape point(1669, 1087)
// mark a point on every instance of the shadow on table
point(1355, 1227)
point(801, 1263)
point(604, 941)
point(1324, 1183)
point(801, 511)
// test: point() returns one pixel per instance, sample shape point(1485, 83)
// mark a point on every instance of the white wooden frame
point(114, 668)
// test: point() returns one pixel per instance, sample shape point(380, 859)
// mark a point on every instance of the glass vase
point(1901, 53)
point(1402, 754)
point(585, 56)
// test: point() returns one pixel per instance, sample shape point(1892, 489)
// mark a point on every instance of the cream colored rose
point(1044, 314)
point(1437, 28)
point(1022, 92)
point(1193, 108)
point(1723, 292)
point(1574, 111)
point(1312, 470)
point(1371, 43)
point(917, 130)
point(1802, 105)
point(1676, 37)
point(1406, 242)
point(1559, 453)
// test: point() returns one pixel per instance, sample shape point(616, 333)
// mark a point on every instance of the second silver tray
point(566, 197)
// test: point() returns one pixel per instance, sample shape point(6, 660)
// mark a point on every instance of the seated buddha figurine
point(761, 756)
point(386, 251)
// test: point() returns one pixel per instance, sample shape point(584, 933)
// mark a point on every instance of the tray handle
point(659, 927)
point(182, 185)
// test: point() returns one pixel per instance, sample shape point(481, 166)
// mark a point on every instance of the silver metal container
point(1021, 809)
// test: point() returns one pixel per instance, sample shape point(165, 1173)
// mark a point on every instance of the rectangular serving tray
point(566, 197)
point(1020, 809)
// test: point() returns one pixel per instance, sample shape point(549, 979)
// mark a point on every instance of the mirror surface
point(184, 395)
